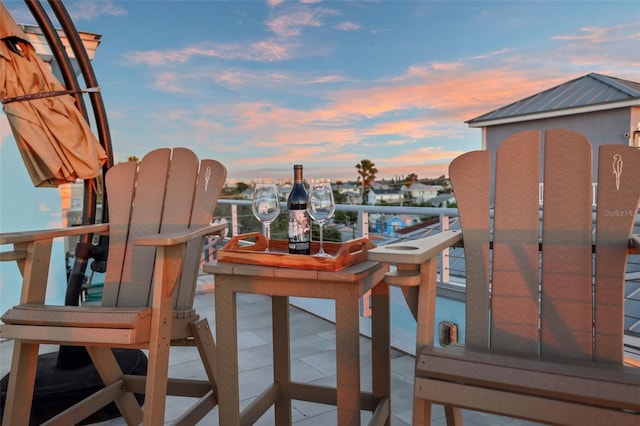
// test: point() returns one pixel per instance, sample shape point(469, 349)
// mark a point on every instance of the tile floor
point(313, 360)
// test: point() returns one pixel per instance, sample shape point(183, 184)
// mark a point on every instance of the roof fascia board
point(551, 114)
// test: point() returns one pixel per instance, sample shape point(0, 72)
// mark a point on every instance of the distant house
point(347, 233)
point(247, 194)
point(442, 200)
point(606, 110)
point(348, 187)
point(284, 190)
point(420, 192)
point(384, 196)
point(380, 184)
point(389, 225)
point(350, 193)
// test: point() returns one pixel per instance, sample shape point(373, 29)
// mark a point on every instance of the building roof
point(591, 92)
point(386, 191)
point(417, 186)
point(441, 198)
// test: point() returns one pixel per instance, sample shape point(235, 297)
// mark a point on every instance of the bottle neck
point(297, 175)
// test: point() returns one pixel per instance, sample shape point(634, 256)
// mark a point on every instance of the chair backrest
point(168, 191)
point(552, 286)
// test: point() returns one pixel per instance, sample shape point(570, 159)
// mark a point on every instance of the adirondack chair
point(159, 213)
point(544, 298)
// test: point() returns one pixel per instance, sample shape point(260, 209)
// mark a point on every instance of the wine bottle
point(299, 220)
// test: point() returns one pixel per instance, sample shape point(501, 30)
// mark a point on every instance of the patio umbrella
point(53, 137)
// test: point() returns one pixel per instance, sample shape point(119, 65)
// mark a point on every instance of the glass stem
point(266, 230)
point(321, 241)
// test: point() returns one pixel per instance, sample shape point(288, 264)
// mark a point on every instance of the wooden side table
point(345, 287)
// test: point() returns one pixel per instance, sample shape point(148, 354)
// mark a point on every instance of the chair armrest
point(25, 237)
point(47, 234)
point(634, 244)
point(417, 251)
point(173, 238)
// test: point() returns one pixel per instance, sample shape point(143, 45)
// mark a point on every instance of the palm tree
point(367, 170)
point(411, 179)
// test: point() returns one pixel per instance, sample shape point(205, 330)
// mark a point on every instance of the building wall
point(600, 127)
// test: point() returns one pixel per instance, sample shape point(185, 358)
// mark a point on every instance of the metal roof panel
point(589, 90)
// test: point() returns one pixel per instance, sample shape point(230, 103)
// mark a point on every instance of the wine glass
point(266, 207)
point(321, 207)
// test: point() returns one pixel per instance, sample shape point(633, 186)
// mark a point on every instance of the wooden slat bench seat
point(606, 385)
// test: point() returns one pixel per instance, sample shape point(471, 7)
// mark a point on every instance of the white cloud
point(90, 10)
point(348, 26)
point(262, 51)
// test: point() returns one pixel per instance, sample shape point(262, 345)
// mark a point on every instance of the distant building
point(284, 190)
point(389, 225)
point(420, 192)
point(380, 184)
point(442, 200)
point(384, 196)
point(350, 193)
point(247, 194)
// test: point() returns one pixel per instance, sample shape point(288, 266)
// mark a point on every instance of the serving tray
point(250, 249)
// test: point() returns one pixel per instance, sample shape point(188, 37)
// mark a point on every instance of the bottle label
point(299, 230)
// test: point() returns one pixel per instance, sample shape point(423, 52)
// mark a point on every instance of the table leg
point(381, 343)
point(348, 355)
point(227, 346)
point(281, 355)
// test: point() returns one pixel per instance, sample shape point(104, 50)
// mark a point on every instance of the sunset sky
point(263, 85)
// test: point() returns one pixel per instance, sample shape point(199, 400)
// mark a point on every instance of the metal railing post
point(363, 223)
point(234, 220)
point(444, 257)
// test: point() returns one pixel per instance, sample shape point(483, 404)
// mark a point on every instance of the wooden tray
point(249, 249)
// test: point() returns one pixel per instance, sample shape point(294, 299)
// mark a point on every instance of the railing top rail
point(411, 210)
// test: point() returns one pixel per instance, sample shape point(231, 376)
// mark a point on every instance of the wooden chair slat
point(207, 190)
point(473, 205)
point(122, 177)
point(566, 320)
point(176, 214)
point(608, 385)
point(514, 302)
point(146, 216)
point(520, 405)
point(618, 199)
point(178, 206)
point(100, 336)
point(81, 316)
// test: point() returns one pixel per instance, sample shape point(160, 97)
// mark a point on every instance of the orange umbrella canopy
point(53, 137)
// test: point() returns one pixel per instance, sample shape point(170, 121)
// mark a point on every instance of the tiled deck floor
point(313, 360)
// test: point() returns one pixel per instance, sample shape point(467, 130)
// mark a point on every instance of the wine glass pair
point(320, 206)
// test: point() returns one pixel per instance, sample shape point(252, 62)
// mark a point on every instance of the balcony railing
point(451, 268)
